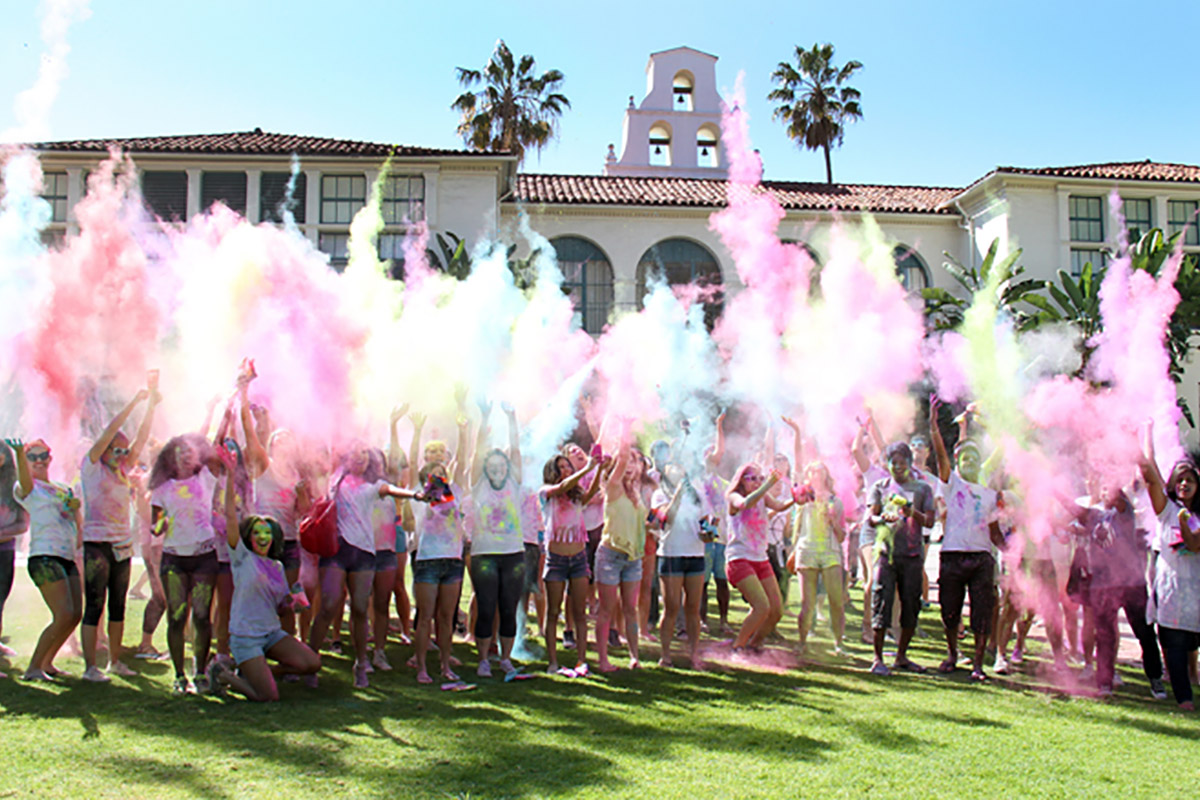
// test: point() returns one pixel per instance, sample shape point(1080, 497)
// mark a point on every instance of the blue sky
point(950, 90)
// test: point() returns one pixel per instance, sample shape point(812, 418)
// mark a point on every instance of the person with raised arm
point(686, 520)
point(566, 556)
point(182, 483)
point(356, 492)
point(864, 449)
point(498, 548)
point(619, 556)
point(899, 508)
point(281, 491)
point(260, 591)
point(107, 532)
point(14, 521)
point(438, 564)
point(748, 566)
point(713, 487)
point(970, 533)
point(1176, 548)
point(399, 473)
point(55, 536)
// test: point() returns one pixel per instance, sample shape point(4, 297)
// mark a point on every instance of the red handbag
point(318, 529)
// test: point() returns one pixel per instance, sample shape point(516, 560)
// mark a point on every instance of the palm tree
point(515, 109)
point(813, 100)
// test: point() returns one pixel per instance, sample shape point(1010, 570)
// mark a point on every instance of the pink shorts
point(739, 569)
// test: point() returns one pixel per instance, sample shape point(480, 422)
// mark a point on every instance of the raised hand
point(398, 413)
point(16, 444)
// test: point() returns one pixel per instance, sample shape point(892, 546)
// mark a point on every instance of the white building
point(649, 209)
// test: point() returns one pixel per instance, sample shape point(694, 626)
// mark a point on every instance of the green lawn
point(822, 730)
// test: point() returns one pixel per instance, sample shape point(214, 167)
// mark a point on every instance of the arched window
point(706, 146)
point(684, 262)
point(660, 145)
point(588, 277)
point(910, 269)
point(681, 90)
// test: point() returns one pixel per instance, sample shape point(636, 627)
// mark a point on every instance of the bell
point(657, 150)
point(704, 151)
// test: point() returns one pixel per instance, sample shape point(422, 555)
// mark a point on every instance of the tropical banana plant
point(944, 309)
point(454, 260)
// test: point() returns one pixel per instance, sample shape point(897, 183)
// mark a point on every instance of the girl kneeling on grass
point(260, 594)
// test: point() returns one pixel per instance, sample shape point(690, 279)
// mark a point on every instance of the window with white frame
point(403, 199)
point(1181, 216)
point(1081, 256)
point(1139, 217)
point(54, 192)
point(1086, 217)
point(341, 197)
point(274, 199)
point(910, 268)
point(391, 249)
point(337, 247)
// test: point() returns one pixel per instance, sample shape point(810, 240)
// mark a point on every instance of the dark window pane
point(273, 196)
point(224, 187)
point(165, 193)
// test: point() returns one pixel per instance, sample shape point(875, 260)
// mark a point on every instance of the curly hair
point(166, 465)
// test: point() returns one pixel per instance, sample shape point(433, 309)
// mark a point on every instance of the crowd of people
point(255, 542)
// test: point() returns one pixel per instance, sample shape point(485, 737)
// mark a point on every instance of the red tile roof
point(254, 142)
point(1124, 171)
point(708, 193)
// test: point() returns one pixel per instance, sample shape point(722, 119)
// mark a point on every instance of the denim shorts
point(438, 570)
point(714, 561)
point(349, 558)
point(244, 648)
point(565, 568)
point(385, 560)
point(681, 565)
point(614, 567)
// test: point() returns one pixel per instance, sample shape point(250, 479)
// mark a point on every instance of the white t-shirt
point(1176, 575)
point(188, 507)
point(748, 534)
point(440, 529)
point(276, 499)
point(51, 524)
point(497, 528)
point(531, 516)
point(682, 538)
point(107, 504)
point(356, 503)
point(259, 586)
point(970, 508)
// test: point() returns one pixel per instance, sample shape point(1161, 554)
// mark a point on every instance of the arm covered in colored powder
point(114, 427)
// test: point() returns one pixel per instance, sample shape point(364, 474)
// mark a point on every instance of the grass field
point(825, 729)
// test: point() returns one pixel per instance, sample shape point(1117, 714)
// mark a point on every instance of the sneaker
point(880, 668)
point(506, 666)
point(1001, 667)
point(213, 675)
point(1104, 692)
point(181, 687)
point(360, 675)
point(380, 662)
point(202, 684)
point(1018, 656)
point(485, 669)
point(35, 675)
point(119, 668)
point(1157, 690)
point(335, 647)
point(149, 653)
point(569, 640)
point(93, 674)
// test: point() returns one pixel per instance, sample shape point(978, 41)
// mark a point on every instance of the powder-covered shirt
point(51, 524)
point(1176, 575)
point(813, 537)
point(531, 516)
point(564, 519)
point(277, 499)
point(188, 507)
point(748, 534)
point(356, 502)
point(682, 536)
point(712, 488)
point(440, 528)
point(259, 585)
point(107, 505)
point(908, 540)
point(624, 527)
point(497, 528)
point(383, 523)
point(970, 508)
point(243, 504)
point(1116, 549)
point(593, 512)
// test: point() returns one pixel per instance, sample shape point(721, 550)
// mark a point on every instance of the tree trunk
point(828, 166)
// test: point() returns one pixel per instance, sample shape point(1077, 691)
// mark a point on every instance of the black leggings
point(189, 579)
point(8, 560)
point(498, 581)
point(104, 575)
point(1176, 645)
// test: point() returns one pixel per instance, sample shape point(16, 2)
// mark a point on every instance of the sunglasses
point(42, 455)
point(119, 452)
